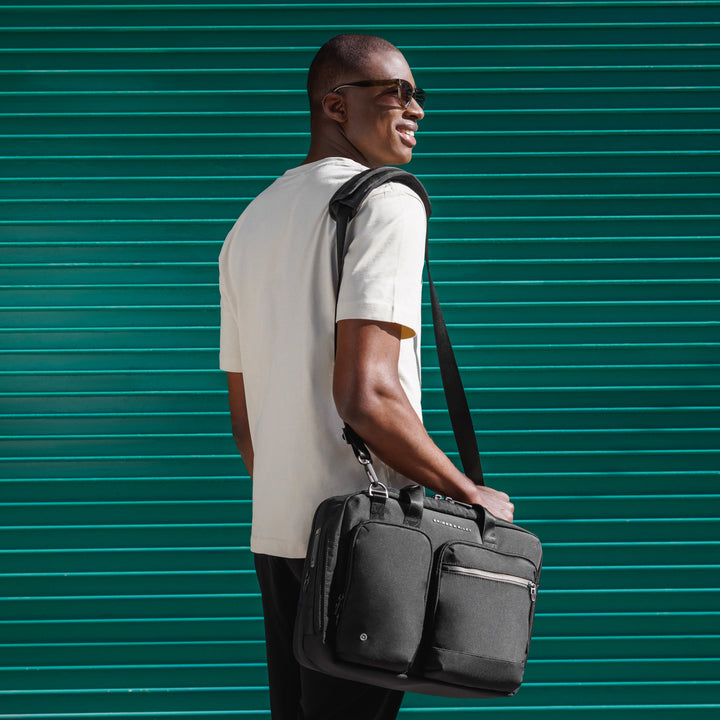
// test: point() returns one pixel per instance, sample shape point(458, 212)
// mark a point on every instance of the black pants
point(297, 693)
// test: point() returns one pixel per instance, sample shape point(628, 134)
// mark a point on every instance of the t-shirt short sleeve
point(382, 275)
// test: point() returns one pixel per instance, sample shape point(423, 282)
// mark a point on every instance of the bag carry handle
point(413, 496)
point(344, 205)
point(487, 531)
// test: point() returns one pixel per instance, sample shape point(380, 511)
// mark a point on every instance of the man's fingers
point(497, 502)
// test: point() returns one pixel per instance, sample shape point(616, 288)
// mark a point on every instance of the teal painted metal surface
point(573, 155)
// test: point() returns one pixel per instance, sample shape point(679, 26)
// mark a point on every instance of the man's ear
point(334, 107)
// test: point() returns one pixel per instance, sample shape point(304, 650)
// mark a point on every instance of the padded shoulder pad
point(347, 200)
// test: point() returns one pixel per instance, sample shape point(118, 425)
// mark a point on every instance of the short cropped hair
point(338, 59)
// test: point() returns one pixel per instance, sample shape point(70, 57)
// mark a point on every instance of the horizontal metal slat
point(221, 512)
point(165, 22)
point(141, 653)
point(166, 606)
point(499, 334)
point(453, 294)
point(208, 144)
point(130, 559)
point(620, 354)
point(226, 700)
point(170, 675)
point(217, 464)
point(233, 511)
point(594, 552)
point(248, 79)
point(502, 269)
point(456, 249)
point(124, 166)
point(561, 379)
point(194, 120)
point(135, 536)
point(507, 399)
point(57, 317)
point(294, 99)
point(547, 440)
point(560, 582)
point(235, 487)
point(208, 465)
point(489, 184)
point(547, 419)
point(447, 209)
point(136, 675)
point(526, 226)
point(157, 701)
point(354, 13)
point(168, 535)
point(433, 54)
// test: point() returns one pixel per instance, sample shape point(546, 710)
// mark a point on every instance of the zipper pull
point(533, 591)
point(458, 502)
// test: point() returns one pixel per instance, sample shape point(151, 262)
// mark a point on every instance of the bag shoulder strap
point(346, 202)
point(344, 205)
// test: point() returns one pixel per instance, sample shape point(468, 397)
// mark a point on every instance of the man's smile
point(407, 134)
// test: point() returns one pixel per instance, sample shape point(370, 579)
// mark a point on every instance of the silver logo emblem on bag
point(452, 525)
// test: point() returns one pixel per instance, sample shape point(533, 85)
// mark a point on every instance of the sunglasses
point(405, 91)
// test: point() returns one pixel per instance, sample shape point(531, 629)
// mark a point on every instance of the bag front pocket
point(381, 609)
point(482, 617)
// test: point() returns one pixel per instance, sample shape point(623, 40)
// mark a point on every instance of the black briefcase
point(410, 592)
point(417, 593)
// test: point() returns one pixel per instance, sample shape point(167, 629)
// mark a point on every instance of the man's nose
point(414, 111)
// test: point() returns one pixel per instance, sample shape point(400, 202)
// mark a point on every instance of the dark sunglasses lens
point(406, 92)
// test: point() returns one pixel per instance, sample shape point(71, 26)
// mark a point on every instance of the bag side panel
point(311, 618)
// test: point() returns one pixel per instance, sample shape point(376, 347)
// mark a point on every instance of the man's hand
point(496, 502)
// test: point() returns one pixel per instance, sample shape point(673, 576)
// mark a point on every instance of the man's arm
point(369, 397)
point(239, 419)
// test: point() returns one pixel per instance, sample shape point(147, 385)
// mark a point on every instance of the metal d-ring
point(374, 487)
point(375, 483)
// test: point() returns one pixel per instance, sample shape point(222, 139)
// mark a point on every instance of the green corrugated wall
point(572, 153)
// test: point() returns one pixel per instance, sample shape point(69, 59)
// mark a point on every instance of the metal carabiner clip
point(375, 483)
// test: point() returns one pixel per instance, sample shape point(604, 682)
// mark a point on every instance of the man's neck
point(333, 145)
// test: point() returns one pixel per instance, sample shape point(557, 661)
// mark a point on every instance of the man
point(288, 392)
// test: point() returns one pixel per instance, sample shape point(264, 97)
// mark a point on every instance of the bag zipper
point(317, 567)
point(499, 577)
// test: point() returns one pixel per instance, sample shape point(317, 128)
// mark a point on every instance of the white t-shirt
point(277, 284)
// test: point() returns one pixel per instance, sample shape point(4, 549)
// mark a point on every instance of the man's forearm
point(239, 419)
point(244, 446)
point(394, 432)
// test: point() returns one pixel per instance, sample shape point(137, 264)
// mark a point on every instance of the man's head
point(352, 113)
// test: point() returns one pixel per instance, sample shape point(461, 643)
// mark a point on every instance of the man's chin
point(403, 157)
point(384, 162)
